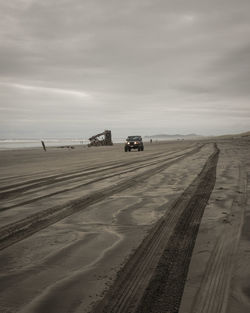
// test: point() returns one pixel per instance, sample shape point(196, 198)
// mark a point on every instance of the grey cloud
point(228, 76)
point(150, 56)
point(234, 69)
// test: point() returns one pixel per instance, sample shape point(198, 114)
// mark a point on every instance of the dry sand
point(72, 219)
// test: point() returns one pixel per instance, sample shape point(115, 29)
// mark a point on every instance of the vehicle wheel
point(129, 149)
point(125, 149)
point(139, 149)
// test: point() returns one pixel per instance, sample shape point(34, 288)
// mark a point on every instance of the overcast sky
point(72, 68)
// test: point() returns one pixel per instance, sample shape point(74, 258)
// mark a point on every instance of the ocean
point(6, 144)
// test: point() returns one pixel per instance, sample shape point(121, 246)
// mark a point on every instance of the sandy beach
point(100, 230)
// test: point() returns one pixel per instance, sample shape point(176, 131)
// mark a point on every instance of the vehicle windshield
point(133, 138)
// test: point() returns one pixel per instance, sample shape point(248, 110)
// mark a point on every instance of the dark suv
point(133, 142)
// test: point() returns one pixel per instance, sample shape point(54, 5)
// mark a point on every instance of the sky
point(72, 68)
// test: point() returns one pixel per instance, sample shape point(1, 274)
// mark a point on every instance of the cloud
point(40, 89)
point(112, 61)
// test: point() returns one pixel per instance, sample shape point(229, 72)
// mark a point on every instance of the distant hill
point(173, 137)
point(194, 136)
point(245, 134)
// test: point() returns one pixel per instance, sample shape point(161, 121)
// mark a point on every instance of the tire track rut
point(91, 181)
point(24, 228)
point(12, 189)
point(153, 278)
point(214, 289)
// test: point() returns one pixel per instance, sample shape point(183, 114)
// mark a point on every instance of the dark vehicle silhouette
point(134, 142)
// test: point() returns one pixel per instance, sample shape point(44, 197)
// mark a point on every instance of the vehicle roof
point(134, 136)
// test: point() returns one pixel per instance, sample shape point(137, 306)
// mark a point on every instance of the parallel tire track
point(12, 190)
point(91, 181)
point(213, 292)
point(24, 228)
point(153, 279)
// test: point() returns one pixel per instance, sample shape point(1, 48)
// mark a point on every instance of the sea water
point(6, 144)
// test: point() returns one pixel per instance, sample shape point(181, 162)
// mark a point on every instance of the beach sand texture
point(100, 230)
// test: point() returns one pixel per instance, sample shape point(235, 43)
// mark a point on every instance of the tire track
point(12, 190)
point(68, 175)
point(153, 279)
point(24, 228)
point(91, 181)
point(213, 292)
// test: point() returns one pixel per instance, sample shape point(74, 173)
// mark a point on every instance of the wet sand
point(72, 219)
